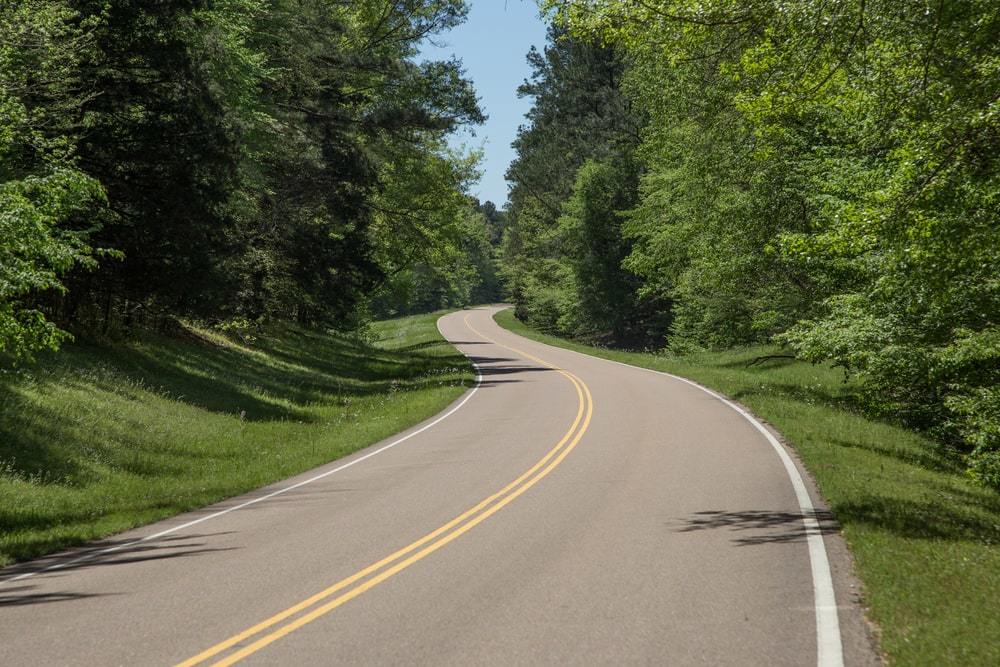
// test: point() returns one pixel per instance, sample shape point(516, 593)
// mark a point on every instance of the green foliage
point(157, 137)
point(34, 252)
point(249, 159)
point(602, 295)
point(573, 174)
point(44, 197)
point(351, 183)
point(462, 272)
point(827, 174)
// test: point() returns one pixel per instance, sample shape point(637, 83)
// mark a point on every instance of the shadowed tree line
point(234, 160)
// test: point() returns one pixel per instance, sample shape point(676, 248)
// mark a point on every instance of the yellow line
point(521, 352)
point(374, 581)
point(308, 602)
point(584, 412)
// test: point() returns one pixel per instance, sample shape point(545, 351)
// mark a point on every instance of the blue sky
point(492, 44)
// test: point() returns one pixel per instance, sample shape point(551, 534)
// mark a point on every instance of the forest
point(232, 161)
point(819, 174)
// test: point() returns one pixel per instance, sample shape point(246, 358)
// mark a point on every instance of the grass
point(99, 438)
point(925, 539)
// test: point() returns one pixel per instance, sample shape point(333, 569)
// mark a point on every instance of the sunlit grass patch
point(101, 438)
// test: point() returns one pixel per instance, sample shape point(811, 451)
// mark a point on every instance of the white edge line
point(278, 492)
point(829, 649)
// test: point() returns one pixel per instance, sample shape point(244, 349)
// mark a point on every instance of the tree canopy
point(246, 159)
point(820, 174)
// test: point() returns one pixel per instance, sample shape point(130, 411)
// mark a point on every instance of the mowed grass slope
point(926, 540)
point(97, 439)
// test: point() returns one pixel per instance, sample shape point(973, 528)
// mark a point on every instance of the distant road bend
point(567, 510)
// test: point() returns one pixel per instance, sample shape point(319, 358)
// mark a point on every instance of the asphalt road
point(568, 510)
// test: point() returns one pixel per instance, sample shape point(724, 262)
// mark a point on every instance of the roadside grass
point(101, 438)
point(925, 539)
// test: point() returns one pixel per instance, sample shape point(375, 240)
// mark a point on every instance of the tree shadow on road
point(760, 526)
point(97, 555)
point(22, 596)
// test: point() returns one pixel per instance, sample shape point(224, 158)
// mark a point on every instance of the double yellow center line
point(272, 629)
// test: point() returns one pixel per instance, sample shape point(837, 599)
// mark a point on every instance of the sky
point(492, 45)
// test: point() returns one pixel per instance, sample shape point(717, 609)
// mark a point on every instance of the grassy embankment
point(98, 438)
point(925, 539)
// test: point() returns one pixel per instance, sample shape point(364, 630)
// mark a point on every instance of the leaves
point(825, 173)
point(44, 197)
point(573, 173)
point(234, 159)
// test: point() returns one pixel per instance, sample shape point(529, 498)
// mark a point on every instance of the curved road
point(566, 510)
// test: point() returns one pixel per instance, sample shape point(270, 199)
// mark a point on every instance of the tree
point(352, 183)
point(239, 158)
point(848, 158)
point(45, 199)
point(601, 294)
point(579, 113)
